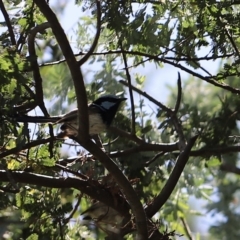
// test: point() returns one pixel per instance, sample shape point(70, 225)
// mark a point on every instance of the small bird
point(101, 114)
point(105, 217)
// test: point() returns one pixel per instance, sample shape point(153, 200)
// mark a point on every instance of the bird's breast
point(96, 126)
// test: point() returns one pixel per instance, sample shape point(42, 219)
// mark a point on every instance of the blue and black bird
point(101, 114)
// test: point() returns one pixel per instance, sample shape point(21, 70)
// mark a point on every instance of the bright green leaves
point(49, 213)
point(33, 236)
point(12, 87)
point(213, 162)
point(12, 66)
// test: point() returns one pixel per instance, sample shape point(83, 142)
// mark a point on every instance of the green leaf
point(33, 236)
point(213, 162)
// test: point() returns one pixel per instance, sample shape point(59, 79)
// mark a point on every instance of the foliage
point(166, 153)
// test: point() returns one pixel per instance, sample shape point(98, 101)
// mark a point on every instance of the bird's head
point(109, 104)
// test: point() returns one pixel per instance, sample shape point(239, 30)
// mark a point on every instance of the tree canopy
point(143, 170)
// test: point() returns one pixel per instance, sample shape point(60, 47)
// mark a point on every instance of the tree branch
point(17, 149)
point(131, 196)
point(125, 134)
point(212, 80)
point(8, 23)
point(84, 139)
point(230, 168)
point(179, 96)
point(91, 188)
point(76, 73)
point(170, 113)
point(177, 59)
point(133, 132)
point(34, 65)
point(187, 228)
point(146, 147)
point(159, 104)
point(174, 118)
point(168, 188)
point(37, 76)
point(95, 42)
point(66, 220)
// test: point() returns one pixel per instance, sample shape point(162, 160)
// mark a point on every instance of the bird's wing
point(72, 115)
point(68, 117)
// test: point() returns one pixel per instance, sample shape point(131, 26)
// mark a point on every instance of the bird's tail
point(37, 119)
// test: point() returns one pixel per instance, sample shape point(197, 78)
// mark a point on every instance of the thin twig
point(34, 65)
point(26, 146)
point(95, 42)
point(98, 141)
point(170, 113)
point(8, 22)
point(66, 220)
point(159, 104)
point(212, 80)
point(60, 228)
point(37, 76)
point(24, 33)
point(130, 89)
point(146, 147)
point(179, 96)
point(169, 186)
point(118, 52)
point(153, 159)
point(228, 35)
point(26, 107)
point(187, 228)
point(174, 118)
point(129, 136)
point(82, 176)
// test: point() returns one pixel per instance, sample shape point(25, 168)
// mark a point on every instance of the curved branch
point(125, 134)
point(73, 67)
point(35, 143)
point(83, 138)
point(8, 22)
point(187, 228)
point(171, 113)
point(34, 65)
point(175, 120)
point(168, 188)
point(36, 74)
point(93, 189)
point(210, 80)
point(179, 96)
point(125, 185)
point(159, 104)
point(66, 220)
point(95, 42)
